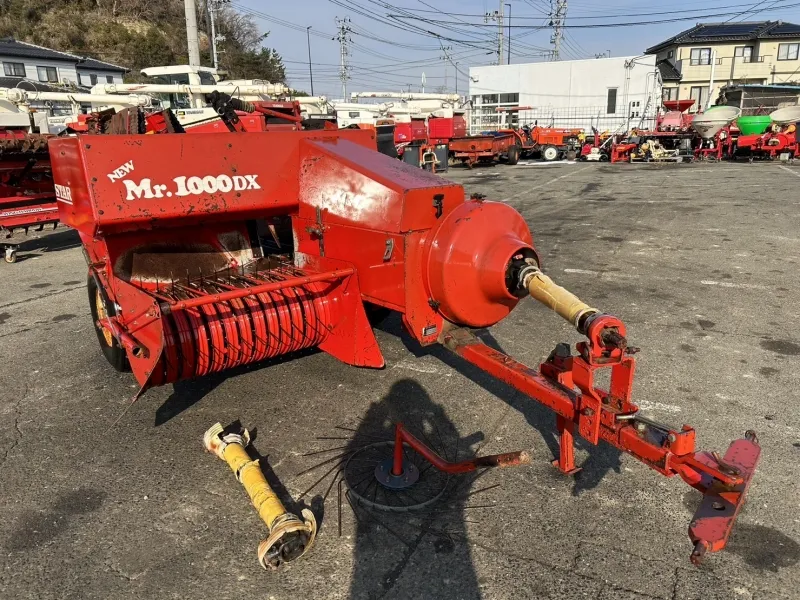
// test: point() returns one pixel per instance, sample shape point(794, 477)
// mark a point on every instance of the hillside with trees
point(140, 33)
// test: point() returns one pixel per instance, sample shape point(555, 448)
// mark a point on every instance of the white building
point(607, 93)
point(39, 64)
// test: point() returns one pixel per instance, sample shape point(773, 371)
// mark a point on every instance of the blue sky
point(385, 57)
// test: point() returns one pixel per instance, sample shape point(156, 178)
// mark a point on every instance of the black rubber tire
point(570, 155)
point(553, 156)
point(512, 156)
point(114, 353)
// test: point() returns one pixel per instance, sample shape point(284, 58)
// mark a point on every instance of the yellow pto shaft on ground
point(289, 537)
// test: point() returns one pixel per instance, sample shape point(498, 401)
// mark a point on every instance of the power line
point(752, 9)
point(606, 12)
point(624, 23)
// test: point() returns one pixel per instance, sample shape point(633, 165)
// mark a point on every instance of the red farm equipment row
point(27, 198)
point(225, 258)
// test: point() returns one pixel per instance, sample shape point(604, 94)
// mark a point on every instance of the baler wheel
point(11, 254)
point(101, 308)
point(513, 155)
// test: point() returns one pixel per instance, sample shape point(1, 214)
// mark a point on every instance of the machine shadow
point(188, 392)
point(601, 459)
point(406, 554)
point(61, 239)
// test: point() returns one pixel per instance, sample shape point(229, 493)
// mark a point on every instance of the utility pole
point(213, 9)
point(500, 19)
point(213, 5)
point(508, 58)
point(446, 57)
point(191, 33)
point(344, 38)
point(558, 14)
point(310, 72)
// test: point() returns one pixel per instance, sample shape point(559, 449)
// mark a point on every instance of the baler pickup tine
point(714, 519)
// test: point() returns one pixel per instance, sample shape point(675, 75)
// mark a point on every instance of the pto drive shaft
point(289, 537)
point(564, 303)
point(555, 297)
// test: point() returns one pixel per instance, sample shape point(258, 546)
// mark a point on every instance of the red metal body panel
point(413, 131)
point(111, 200)
point(443, 129)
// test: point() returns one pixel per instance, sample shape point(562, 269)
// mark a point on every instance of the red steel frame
point(403, 436)
point(610, 416)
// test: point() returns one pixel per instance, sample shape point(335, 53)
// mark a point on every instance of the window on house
point(48, 74)
point(509, 98)
point(700, 56)
point(700, 97)
point(669, 93)
point(670, 54)
point(743, 54)
point(14, 69)
point(93, 79)
point(611, 105)
point(109, 79)
point(788, 51)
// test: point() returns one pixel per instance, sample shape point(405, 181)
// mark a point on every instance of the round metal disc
point(364, 468)
point(408, 476)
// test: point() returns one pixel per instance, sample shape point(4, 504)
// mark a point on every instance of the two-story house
point(697, 62)
point(36, 63)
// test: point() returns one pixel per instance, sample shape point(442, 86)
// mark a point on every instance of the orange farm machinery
point(486, 149)
point(550, 143)
point(211, 251)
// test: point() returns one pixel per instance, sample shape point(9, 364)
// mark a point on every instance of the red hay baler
point(211, 251)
